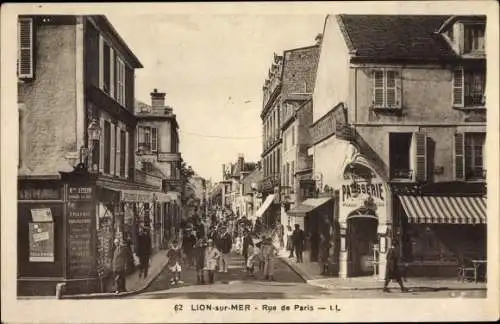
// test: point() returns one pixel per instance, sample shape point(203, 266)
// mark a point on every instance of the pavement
point(133, 283)
point(310, 273)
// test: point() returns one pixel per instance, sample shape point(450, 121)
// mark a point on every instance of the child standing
point(174, 256)
point(211, 258)
point(199, 260)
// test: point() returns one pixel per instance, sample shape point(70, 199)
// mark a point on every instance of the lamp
point(94, 135)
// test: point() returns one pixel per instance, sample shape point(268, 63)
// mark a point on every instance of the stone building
point(399, 129)
point(77, 186)
point(233, 176)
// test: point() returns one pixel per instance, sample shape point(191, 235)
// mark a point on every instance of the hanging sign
point(41, 242)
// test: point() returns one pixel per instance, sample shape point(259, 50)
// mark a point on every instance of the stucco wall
point(50, 103)
point(426, 96)
point(333, 71)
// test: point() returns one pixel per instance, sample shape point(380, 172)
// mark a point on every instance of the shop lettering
point(374, 190)
point(83, 190)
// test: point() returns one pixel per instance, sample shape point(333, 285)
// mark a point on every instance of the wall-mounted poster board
point(41, 242)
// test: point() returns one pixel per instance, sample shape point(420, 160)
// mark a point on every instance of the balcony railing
point(476, 174)
point(402, 174)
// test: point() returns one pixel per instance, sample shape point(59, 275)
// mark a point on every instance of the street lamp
point(94, 134)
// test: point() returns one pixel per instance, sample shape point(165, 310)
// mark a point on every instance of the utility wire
point(222, 137)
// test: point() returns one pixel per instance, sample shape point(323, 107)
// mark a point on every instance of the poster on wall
point(41, 242)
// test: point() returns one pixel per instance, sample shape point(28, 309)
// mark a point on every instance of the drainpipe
point(60, 290)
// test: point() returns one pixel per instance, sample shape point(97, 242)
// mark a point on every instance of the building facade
point(157, 160)
point(76, 177)
point(399, 103)
point(233, 176)
point(299, 76)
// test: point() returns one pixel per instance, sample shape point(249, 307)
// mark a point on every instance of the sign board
point(168, 157)
point(80, 232)
point(41, 215)
point(27, 193)
point(41, 241)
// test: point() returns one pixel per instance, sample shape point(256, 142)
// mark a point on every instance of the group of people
point(124, 262)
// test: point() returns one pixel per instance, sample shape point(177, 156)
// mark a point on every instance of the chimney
point(318, 39)
point(157, 99)
point(241, 161)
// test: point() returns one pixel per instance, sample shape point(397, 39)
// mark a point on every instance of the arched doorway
point(361, 240)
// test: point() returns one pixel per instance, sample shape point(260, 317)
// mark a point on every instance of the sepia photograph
point(252, 158)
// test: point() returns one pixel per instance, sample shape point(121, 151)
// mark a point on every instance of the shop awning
point(444, 210)
point(265, 205)
point(308, 205)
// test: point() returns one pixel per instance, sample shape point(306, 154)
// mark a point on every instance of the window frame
point(397, 88)
point(117, 72)
point(467, 78)
point(470, 37)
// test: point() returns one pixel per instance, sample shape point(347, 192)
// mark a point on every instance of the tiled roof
point(395, 37)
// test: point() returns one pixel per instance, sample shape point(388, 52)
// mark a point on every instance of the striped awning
point(444, 210)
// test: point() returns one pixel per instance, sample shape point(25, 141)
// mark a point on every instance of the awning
point(444, 210)
point(308, 205)
point(265, 205)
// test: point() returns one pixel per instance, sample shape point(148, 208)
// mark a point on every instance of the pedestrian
point(289, 243)
point(324, 253)
point(199, 260)
point(225, 243)
point(254, 259)
point(280, 232)
point(174, 258)
point(298, 239)
point(188, 242)
point(247, 242)
point(212, 256)
point(121, 256)
point(392, 269)
point(269, 251)
point(143, 251)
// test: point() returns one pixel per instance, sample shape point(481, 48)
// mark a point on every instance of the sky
point(212, 68)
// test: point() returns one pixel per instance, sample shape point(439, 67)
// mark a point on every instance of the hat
point(210, 241)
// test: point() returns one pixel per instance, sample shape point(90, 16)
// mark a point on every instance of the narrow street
point(288, 285)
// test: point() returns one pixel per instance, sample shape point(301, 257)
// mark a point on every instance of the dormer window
point(473, 38)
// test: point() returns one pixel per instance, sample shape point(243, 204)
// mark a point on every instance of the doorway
point(362, 238)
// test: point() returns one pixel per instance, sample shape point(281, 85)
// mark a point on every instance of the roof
point(395, 37)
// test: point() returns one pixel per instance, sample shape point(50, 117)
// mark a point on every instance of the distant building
point(233, 175)
point(158, 161)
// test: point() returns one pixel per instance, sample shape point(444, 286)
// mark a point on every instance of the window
point(107, 147)
point(469, 156)
point(123, 149)
point(293, 135)
point(25, 60)
point(473, 38)
point(154, 139)
point(386, 89)
point(120, 81)
point(292, 175)
point(106, 79)
point(468, 87)
point(147, 139)
point(408, 156)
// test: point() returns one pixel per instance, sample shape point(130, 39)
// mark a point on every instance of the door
point(362, 236)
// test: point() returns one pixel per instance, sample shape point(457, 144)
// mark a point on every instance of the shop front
point(441, 232)
point(364, 221)
point(67, 227)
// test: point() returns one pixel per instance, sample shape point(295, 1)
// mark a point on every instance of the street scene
point(251, 156)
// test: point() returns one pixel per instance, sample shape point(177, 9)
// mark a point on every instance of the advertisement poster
point(41, 242)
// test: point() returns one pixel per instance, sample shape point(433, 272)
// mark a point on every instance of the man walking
point(298, 240)
point(269, 251)
point(247, 242)
point(225, 243)
point(280, 233)
point(143, 251)
point(392, 269)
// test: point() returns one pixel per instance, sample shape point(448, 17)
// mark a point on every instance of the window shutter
point(378, 88)
point(399, 90)
point(458, 87)
point(459, 156)
point(101, 62)
point(154, 139)
point(112, 153)
point(421, 156)
point(112, 72)
point(101, 148)
point(118, 150)
point(126, 148)
point(25, 48)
